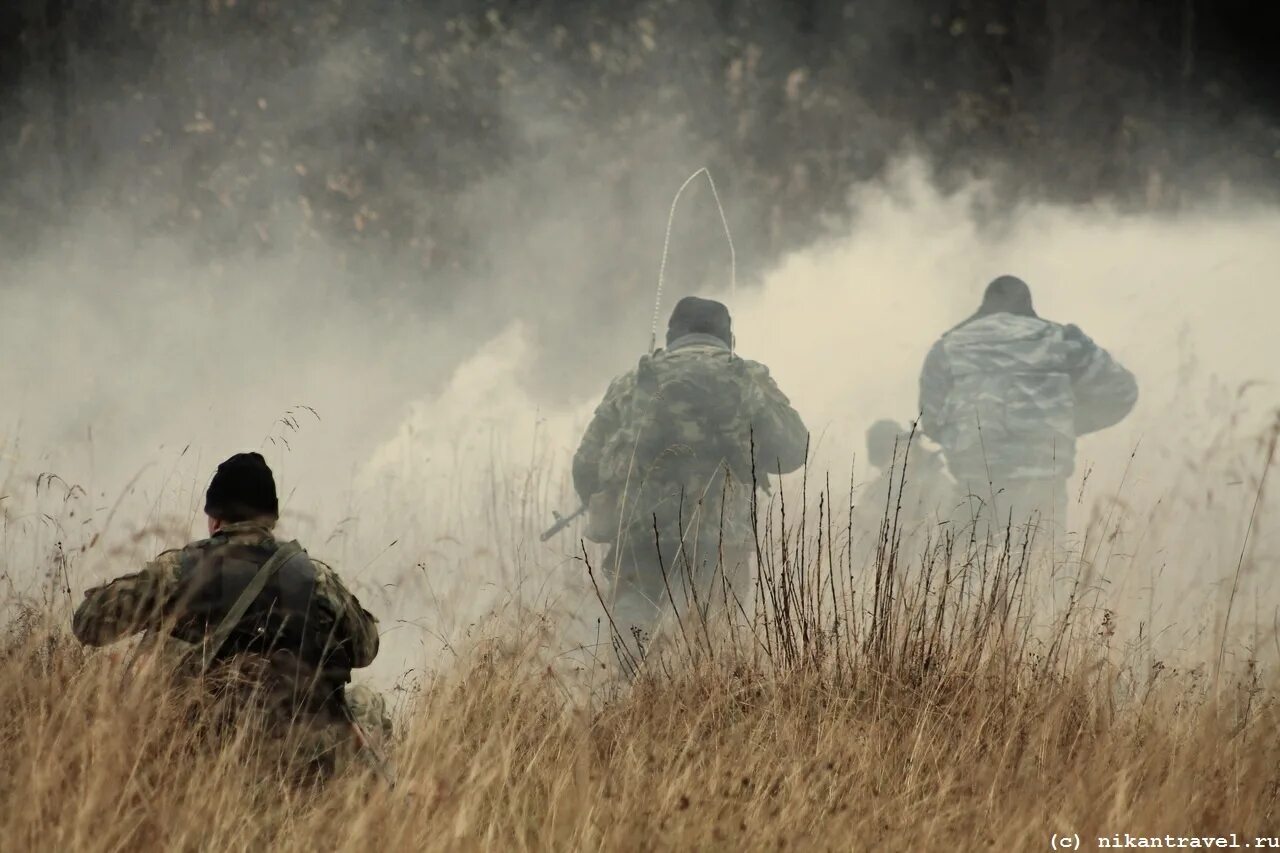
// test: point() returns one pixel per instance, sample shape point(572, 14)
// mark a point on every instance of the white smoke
point(126, 364)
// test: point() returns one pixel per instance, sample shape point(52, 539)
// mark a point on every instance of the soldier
point(926, 495)
point(1007, 393)
point(262, 624)
point(666, 468)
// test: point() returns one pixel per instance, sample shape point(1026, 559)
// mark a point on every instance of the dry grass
point(928, 700)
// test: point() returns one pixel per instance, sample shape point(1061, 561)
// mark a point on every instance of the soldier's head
point(883, 438)
point(693, 315)
point(1007, 295)
point(242, 489)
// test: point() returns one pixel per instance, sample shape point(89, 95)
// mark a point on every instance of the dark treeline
point(380, 127)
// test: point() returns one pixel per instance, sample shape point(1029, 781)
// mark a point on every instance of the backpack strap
point(646, 376)
point(283, 554)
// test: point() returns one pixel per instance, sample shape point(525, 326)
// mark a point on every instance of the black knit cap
point(242, 489)
point(1009, 294)
point(693, 315)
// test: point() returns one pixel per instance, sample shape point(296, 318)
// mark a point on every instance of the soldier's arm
point(1105, 391)
point(355, 627)
point(935, 385)
point(604, 423)
point(128, 604)
point(780, 435)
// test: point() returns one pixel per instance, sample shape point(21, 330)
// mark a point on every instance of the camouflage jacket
point(1007, 394)
point(666, 434)
point(153, 600)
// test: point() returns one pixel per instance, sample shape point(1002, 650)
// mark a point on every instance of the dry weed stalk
point(925, 701)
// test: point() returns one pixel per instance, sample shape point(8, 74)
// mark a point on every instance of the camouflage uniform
point(926, 498)
point(1006, 395)
point(670, 446)
point(299, 695)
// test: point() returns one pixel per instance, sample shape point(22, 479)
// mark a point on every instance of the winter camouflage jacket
point(665, 434)
point(1008, 394)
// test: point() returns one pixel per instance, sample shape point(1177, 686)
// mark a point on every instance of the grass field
point(933, 696)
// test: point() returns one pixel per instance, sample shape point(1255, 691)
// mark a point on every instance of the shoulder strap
point(646, 376)
point(283, 554)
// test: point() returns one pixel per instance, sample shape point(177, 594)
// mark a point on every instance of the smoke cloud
point(421, 424)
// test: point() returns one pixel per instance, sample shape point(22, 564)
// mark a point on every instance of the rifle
point(373, 756)
point(562, 521)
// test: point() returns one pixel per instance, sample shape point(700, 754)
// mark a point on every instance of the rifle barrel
point(562, 521)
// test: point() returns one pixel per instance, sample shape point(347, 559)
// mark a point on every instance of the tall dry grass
point(934, 696)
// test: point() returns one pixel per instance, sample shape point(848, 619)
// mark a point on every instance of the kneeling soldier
point(259, 620)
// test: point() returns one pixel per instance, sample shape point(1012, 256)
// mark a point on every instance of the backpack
point(260, 598)
point(684, 423)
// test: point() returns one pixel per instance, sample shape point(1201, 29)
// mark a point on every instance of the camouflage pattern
point(1006, 396)
point(306, 743)
point(925, 498)
point(369, 708)
point(671, 444)
point(294, 698)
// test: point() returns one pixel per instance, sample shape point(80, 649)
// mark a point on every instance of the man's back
point(667, 431)
point(1007, 395)
point(303, 608)
point(1008, 400)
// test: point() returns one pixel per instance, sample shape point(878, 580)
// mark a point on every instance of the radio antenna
point(666, 246)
